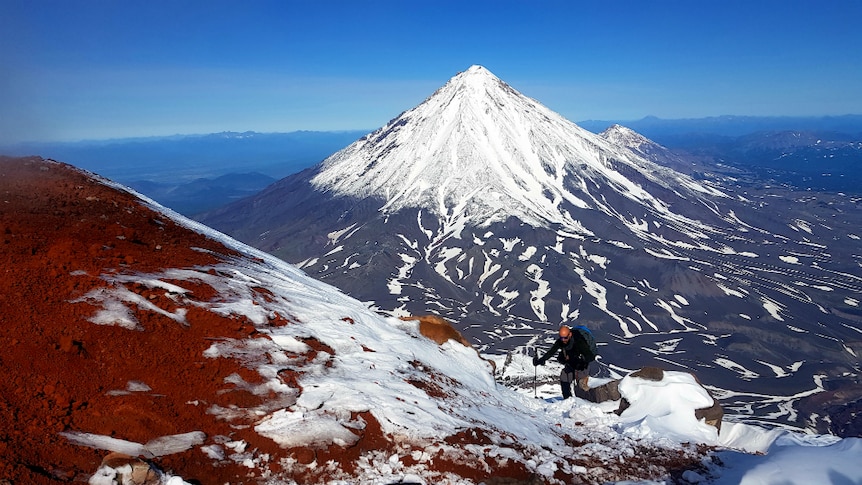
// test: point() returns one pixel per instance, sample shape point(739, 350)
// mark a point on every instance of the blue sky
point(93, 69)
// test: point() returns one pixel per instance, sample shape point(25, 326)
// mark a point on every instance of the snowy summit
point(479, 151)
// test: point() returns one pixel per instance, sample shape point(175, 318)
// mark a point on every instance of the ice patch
point(404, 271)
point(778, 370)
point(337, 249)
point(489, 268)
point(162, 446)
point(131, 386)
point(294, 428)
point(336, 236)
point(739, 369)
point(789, 259)
point(290, 344)
point(801, 225)
point(773, 308)
point(537, 296)
point(528, 253)
point(686, 323)
point(509, 244)
point(665, 254)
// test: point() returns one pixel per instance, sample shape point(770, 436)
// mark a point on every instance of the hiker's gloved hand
point(537, 361)
point(581, 362)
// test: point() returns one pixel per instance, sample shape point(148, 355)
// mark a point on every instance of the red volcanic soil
point(59, 230)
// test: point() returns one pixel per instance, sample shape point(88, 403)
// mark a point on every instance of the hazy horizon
point(583, 123)
point(91, 69)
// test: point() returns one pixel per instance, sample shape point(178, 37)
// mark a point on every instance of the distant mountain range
point(805, 160)
point(672, 131)
point(811, 153)
point(190, 157)
point(484, 206)
point(196, 173)
point(203, 194)
point(171, 169)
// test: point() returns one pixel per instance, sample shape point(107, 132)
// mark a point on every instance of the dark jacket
point(572, 353)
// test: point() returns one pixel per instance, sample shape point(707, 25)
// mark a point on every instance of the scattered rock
point(129, 470)
point(649, 373)
point(711, 415)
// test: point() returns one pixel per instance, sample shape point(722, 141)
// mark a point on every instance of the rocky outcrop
point(441, 331)
point(438, 329)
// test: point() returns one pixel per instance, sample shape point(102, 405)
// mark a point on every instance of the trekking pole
point(535, 372)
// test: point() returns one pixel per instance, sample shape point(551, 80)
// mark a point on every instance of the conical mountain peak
point(478, 151)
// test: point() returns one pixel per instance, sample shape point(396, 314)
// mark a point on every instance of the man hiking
point(576, 353)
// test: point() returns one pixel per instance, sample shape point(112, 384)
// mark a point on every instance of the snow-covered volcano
point(477, 152)
point(484, 206)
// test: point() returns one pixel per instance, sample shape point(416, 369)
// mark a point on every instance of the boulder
point(713, 414)
point(604, 392)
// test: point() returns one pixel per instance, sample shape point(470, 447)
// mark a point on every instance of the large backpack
point(590, 340)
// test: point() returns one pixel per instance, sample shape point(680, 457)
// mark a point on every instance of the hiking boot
point(566, 387)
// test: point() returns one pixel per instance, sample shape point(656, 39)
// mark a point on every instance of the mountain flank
point(127, 329)
point(487, 208)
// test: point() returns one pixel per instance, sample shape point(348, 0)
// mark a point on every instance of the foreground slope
point(487, 207)
point(127, 328)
